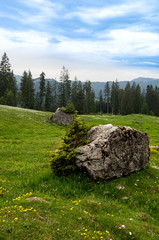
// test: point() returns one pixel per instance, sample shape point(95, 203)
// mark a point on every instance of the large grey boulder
point(113, 152)
point(61, 117)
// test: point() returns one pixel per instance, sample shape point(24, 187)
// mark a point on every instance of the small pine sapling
point(63, 160)
point(70, 108)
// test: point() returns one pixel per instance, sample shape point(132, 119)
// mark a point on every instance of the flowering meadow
point(36, 204)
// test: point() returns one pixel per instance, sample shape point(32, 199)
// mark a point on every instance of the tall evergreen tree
point(64, 89)
point(115, 97)
point(31, 91)
point(37, 101)
point(137, 99)
point(150, 98)
point(107, 95)
point(12, 89)
point(5, 69)
point(80, 98)
point(93, 107)
point(24, 89)
point(74, 98)
point(54, 96)
point(8, 88)
point(67, 86)
point(127, 101)
point(156, 108)
point(48, 98)
point(42, 90)
point(27, 90)
point(101, 101)
point(87, 94)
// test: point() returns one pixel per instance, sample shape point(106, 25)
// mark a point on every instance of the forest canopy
point(51, 95)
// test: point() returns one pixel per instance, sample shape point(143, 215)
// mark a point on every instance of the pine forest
point(111, 100)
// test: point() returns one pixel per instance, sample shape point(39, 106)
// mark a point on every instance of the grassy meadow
point(36, 204)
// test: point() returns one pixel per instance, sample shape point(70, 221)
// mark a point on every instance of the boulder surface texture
point(113, 152)
point(61, 117)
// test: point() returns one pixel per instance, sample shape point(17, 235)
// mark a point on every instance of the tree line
point(50, 96)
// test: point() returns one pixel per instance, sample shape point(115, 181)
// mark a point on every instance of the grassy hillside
point(35, 204)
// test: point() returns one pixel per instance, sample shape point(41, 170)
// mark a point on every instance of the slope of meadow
point(35, 204)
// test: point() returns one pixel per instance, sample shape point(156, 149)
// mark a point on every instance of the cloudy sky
point(100, 40)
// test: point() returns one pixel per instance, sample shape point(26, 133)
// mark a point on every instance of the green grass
point(73, 207)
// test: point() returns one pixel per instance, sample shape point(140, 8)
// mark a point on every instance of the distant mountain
point(18, 78)
point(143, 82)
point(97, 86)
point(37, 82)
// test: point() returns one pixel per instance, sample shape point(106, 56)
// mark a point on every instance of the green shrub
point(70, 108)
point(63, 160)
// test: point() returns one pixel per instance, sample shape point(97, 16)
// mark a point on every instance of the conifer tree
point(74, 98)
point(42, 90)
point(48, 98)
point(101, 101)
point(8, 88)
point(24, 89)
point(11, 91)
point(54, 96)
point(80, 98)
point(87, 97)
point(64, 89)
point(115, 97)
point(156, 110)
point(127, 101)
point(150, 98)
point(93, 106)
point(67, 86)
point(37, 101)
point(137, 99)
point(107, 95)
point(27, 90)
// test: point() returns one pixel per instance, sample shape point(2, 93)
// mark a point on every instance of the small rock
point(123, 226)
point(155, 167)
point(120, 187)
point(125, 198)
point(61, 117)
point(32, 199)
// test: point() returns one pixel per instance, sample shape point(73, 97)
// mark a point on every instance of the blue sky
point(94, 40)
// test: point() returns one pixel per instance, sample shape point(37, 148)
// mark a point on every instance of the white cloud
point(94, 15)
point(42, 11)
point(42, 5)
point(82, 30)
point(131, 42)
point(114, 43)
point(20, 39)
point(88, 59)
point(149, 63)
point(121, 43)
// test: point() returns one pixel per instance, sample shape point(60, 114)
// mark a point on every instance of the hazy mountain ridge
point(97, 86)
